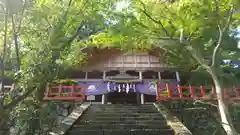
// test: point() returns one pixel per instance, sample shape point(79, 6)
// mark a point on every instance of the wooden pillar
point(140, 75)
point(104, 75)
point(142, 98)
point(159, 76)
point(86, 75)
point(178, 84)
point(159, 79)
point(104, 96)
point(177, 76)
point(103, 99)
point(138, 98)
point(1, 90)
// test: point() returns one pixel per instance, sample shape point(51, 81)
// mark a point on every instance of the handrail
point(65, 92)
point(178, 92)
point(10, 87)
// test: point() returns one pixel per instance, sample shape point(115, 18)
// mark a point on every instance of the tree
point(196, 31)
point(50, 34)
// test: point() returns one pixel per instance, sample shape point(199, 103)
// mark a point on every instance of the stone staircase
point(118, 119)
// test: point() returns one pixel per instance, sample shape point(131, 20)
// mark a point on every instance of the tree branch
point(229, 19)
point(197, 56)
point(193, 51)
point(221, 32)
point(21, 17)
point(15, 37)
point(155, 21)
point(2, 7)
point(4, 54)
point(18, 99)
point(216, 48)
point(216, 2)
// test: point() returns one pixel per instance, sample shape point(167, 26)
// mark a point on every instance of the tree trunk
point(222, 106)
point(4, 123)
point(4, 54)
point(16, 43)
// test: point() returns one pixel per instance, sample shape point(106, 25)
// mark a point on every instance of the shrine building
point(114, 76)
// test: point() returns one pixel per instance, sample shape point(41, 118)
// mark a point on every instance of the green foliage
point(149, 24)
point(199, 118)
point(200, 78)
point(51, 35)
point(66, 81)
point(195, 34)
point(34, 118)
point(53, 31)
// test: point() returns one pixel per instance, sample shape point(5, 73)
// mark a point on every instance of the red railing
point(63, 92)
point(8, 88)
point(167, 92)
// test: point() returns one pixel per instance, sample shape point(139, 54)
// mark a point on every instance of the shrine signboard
point(148, 87)
point(95, 88)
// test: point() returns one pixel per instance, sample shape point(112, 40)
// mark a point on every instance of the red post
point(84, 92)
point(12, 87)
point(180, 91)
point(214, 92)
point(72, 91)
point(203, 93)
point(47, 90)
point(169, 91)
point(59, 90)
point(225, 93)
point(157, 92)
point(236, 91)
point(191, 92)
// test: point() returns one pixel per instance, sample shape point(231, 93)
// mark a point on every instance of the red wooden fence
point(167, 92)
point(164, 92)
point(62, 92)
point(8, 87)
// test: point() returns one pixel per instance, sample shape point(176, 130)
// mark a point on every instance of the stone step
point(122, 126)
point(121, 111)
point(123, 118)
point(122, 105)
point(114, 111)
point(130, 107)
point(142, 110)
point(116, 106)
point(121, 132)
point(103, 122)
point(105, 114)
point(121, 114)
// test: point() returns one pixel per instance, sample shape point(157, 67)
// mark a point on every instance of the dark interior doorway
point(150, 98)
point(123, 98)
